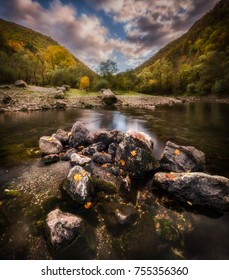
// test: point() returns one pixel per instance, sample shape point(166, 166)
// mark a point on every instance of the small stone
point(50, 145)
point(51, 158)
point(77, 159)
point(97, 147)
point(20, 83)
point(101, 158)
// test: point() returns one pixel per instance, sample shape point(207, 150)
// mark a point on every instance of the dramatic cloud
point(146, 25)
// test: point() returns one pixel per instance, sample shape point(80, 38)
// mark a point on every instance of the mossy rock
point(104, 186)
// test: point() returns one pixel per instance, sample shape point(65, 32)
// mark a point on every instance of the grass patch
point(77, 92)
point(128, 93)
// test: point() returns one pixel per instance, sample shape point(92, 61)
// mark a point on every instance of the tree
point(84, 82)
point(107, 68)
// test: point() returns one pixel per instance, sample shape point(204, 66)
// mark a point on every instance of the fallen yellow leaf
point(122, 162)
point(104, 165)
point(77, 177)
point(133, 153)
point(170, 176)
point(189, 202)
point(50, 139)
point(69, 134)
point(87, 205)
point(177, 152)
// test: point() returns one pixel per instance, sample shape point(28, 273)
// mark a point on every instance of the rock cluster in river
point(179, 172)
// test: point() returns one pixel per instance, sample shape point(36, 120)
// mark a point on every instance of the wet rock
point(62, 136)
point(59, 94)
point(77, 159)
point(63, 228)
point(196, 188)
point(135, 153)
point(20, 83)
point(50, 145)
point(24, 108)
point(79, 133)
point(101, 158)
point(6, 99)
point(67, 156)
point(97, 147)
point(182, 158)
point(109, 98)
point(46, 107)
point(106, 137)
point(52, 158)
point(126, 215)
point(112, 149)
point(79, 185)
point(61, 105)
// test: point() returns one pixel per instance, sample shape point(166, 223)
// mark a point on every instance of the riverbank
point(33, 98)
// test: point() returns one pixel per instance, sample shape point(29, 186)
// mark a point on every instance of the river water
point(204, 126)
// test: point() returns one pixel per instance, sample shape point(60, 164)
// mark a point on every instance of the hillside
point(38, 59)
point(195, 63)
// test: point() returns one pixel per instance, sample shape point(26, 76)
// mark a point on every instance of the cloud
point(148, 25)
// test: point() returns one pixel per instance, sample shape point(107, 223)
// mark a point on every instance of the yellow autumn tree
point(84, 82)
point(58, 57)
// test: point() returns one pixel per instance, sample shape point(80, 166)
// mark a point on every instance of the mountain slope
point(197, 62)
point(36, 58)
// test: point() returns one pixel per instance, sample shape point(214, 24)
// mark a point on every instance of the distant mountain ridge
point(205, 43)
point(37, 58)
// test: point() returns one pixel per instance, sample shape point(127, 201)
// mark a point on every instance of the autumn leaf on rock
point(87, 205)
point(50, 139)
point(170, 176)
point(177, 152)
point(133, 153)
point(122, 162)
point(77, 177)
point(69, 134)
point(104, 165)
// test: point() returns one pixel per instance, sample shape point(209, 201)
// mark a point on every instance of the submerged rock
point(196, 188)
point(63, 228)
point(50, 145)
point(79, 133)
point(79, 185)
point(51, 158)
point(135, 153)
point(61, 105)
point(182, 158)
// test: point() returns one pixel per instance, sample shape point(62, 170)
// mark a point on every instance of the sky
point(126, 31)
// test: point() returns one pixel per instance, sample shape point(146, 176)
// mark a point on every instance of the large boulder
point(182, 158)
point(109, 98)
point(20, 83)
point(106, 137)
point(79, 133)
point(79, 185)
point(63, 228)
point(50, 145)
point(135, 153)
point(196, 188)
point(62, 136)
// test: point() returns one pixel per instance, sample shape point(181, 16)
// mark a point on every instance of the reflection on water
point(201, 125)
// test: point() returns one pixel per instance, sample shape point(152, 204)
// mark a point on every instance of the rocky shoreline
point(33, 98)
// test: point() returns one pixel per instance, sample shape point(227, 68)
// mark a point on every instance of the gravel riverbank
point(33, 98)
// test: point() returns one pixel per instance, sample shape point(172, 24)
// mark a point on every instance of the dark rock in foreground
point(101, 158)
point(104, 136)
point(63, 228)
point(79, 186)
point(97, 147)
point(182, 158)
point(79, 133)
point(196, 188)
point(50, 145)
point(135, 153)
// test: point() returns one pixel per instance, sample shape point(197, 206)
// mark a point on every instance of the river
point(202, 125)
